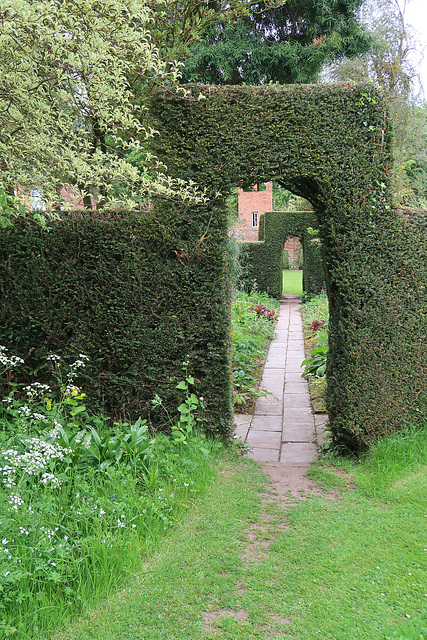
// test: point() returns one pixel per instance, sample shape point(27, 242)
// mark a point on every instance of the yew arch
point(332, 146)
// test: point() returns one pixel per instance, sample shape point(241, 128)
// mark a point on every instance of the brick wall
point(250, 203)
point(293, 245)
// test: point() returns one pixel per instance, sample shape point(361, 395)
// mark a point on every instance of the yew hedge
point(331, 145)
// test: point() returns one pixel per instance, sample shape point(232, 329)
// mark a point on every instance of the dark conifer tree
point(287, 43)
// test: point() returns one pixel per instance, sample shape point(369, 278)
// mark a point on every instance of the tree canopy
point(72, 109)
point(391, 66)
point(285, 42)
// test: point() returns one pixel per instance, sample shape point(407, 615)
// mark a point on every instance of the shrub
point(264, 312)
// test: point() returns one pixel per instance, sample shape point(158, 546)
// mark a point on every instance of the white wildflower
point(50, 477)
point(72, 390)
point(40, 416)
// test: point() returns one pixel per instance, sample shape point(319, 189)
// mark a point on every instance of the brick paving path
point(283, 428)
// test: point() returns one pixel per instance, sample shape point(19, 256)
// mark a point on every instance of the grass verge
point(82, 500)
point(345, 567)
point(253, 323)
point(315, 314)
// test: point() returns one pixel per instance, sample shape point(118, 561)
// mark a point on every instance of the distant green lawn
point(292, 281)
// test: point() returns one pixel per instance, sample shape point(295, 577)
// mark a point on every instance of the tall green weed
point(391, 458)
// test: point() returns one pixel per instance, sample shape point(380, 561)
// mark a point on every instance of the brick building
point(252, 203)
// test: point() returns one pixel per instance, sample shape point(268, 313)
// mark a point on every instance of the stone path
point(284, 432)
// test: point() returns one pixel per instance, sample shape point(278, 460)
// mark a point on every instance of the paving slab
point(273, 375)
point(298, 433)
point(296, 401)
point(274, 389)
point(294, 368)
point(296, 387)
point(269, 406)
point(242, 419)
point(264, 455)
point(298, 452)
point(282, 335)
point(296, 415)
point(295, 377)
point(275, 361)
point(296, 353)
point(278, 350)
point(264, 439)
point(300, 421)
point(290, 360)
point(241, 433)
point(266, 423)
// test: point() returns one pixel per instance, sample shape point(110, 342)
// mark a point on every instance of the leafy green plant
point(190, 409)
point(316, 364)
point(244, 387)
point(306, 296)
point(82, 499)
point(251, 334)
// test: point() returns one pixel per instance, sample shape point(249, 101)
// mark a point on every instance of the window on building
point(255, 218)
point(37, 202)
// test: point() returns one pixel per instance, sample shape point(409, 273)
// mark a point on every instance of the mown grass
point(292, 281)
point(350, 566)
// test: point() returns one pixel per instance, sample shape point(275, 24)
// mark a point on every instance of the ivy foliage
point(332, 146)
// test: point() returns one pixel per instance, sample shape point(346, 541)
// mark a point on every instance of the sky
point(416, 17)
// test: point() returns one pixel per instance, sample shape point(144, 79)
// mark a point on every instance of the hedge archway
point(264, 258)
point(332, 146)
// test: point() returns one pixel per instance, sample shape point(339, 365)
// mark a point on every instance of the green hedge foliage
point(265, 257)
point(285, 259)
point(138, 295)
point(332, 146)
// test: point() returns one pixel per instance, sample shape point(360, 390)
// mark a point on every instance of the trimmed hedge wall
point(331, 145)
point(285, 259)
point(265, 258)
point(138, 295)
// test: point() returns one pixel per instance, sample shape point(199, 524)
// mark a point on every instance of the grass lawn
point(292, 281)
point(347, 565)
